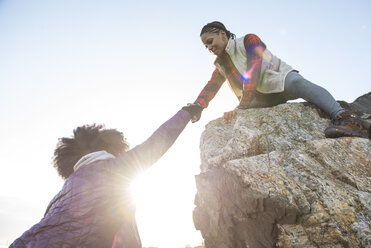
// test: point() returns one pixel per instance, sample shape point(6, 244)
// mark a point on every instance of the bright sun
point(164, 203)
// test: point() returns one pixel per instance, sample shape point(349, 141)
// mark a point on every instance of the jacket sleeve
point(144, 155)
point(254, 50)
point(212, 87)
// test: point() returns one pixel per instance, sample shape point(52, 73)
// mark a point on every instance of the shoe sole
point(336, 132)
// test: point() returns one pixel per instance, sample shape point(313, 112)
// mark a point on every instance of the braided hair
point(215, 27)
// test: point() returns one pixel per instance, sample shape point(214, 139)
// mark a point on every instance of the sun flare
point(164, 208)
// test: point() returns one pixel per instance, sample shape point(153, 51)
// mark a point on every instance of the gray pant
point(298, 87)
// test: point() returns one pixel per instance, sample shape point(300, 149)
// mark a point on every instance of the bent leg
point(298, 87)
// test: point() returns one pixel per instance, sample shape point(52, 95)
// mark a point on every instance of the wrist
point(199, 104)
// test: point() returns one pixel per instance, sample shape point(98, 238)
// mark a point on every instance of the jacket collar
point(92, 157)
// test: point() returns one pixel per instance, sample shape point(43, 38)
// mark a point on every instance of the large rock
point(271, 179)
point(362, 107)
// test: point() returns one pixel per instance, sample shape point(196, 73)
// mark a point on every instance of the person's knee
point(297, 80)
point(294, 83)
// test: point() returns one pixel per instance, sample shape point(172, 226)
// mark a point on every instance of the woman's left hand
point(229, 116)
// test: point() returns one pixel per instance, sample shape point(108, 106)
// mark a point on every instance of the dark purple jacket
point(94, 208)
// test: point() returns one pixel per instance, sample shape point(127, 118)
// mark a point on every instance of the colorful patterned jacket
point(248, 66)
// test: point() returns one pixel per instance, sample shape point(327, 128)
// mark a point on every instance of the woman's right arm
point(209, 91)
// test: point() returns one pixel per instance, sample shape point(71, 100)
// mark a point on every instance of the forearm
point(211, 89)
point(144, 155)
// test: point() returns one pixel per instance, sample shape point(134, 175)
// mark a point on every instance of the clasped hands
point(195, 111)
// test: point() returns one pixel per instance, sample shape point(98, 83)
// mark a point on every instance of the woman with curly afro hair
point(94, 209)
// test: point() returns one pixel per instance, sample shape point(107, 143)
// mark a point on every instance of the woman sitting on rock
point(260, 79)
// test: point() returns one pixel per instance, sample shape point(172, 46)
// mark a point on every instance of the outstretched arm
point(209, 91)
point(144, 155)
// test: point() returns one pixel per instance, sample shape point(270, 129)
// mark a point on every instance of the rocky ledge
point(270, 178)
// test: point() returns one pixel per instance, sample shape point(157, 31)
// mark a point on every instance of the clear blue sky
point(132, 65)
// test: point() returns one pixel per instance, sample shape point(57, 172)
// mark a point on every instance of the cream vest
point(273, 70)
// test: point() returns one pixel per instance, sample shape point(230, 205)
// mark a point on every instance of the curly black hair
point(86, 139)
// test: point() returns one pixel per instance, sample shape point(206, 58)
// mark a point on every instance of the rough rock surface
point(362, 107)
point(271, 179)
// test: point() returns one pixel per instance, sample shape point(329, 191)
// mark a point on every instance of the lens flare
point(247, 74)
